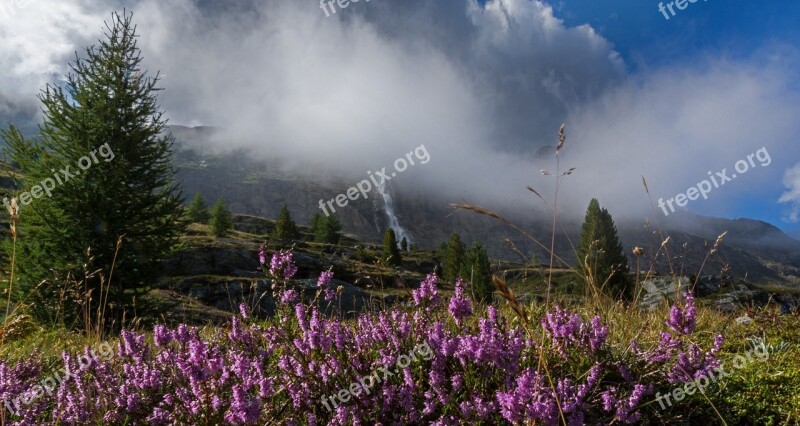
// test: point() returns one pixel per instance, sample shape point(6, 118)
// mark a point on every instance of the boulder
point(662, 289)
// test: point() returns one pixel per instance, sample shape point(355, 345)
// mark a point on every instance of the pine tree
point(285, 228)
point(600, 254)
point(404, 244)
point(441, 252)
point(328, 230)
point(391, 254)
point(316, 220)
point(100, 174)
point(454, 257)
point(198, 212)
point(477, 271)
point(221, 219)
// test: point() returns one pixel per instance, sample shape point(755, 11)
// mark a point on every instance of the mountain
point(752, 249)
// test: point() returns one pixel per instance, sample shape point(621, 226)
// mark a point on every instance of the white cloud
point(675, 125)
point(38, 39)
point(791, 179)
point(484, 88)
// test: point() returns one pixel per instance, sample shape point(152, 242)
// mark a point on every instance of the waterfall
point(394, 223)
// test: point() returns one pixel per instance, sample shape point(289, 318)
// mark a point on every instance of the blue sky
point(643, 36)
point(735, 29)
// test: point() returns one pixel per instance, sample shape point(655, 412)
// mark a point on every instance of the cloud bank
point(483, 87)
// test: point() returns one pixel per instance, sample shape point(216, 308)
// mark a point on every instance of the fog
point(484, 88)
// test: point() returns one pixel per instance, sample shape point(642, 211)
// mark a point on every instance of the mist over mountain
point(484, 85)
point(252, 185)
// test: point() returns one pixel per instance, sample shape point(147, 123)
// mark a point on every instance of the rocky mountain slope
point(751, 249)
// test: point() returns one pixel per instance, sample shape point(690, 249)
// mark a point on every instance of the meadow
point(566, 361)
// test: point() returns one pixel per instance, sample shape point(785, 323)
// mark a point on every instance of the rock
point(788, 303)
point(744, 320)
point(661, 289)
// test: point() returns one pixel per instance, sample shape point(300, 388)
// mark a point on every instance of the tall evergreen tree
point(316, 221)
point(99, 171)
point(198, 212)
point(404, 244)
point(476, 270)
point(285, 228)
point(328, 230)
point(600, 254)
point(391, 254)
point(221, 219)
point(454, 257)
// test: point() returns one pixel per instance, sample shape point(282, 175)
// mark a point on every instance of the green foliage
point(316, 219)
point(404, 244)
point(198, 212)
point(285, 228)
point(326, 229)
point(221, 219)
point(362, 255)
point(453, 257)
point(105, 130)
point(476, 269)
point(600, 254)
point(391, 254)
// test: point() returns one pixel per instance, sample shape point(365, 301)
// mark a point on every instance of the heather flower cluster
point(427, 291)
point(681, 359)
point(50, 382)
point(481, 368)
point(567, 330)
point(281, 265)
point(460, 306)
point(683, 320)
point(324, 283)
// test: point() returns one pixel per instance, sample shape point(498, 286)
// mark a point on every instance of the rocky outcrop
point(658, 290)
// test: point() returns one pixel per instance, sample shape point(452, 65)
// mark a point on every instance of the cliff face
point(751, 248)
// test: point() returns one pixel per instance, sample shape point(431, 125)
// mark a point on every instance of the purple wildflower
point(460, 306)
point(324, 282)
point(289, 296)
point(683, 320)
point(282, 266)
point(566, 329)
point(427, 291)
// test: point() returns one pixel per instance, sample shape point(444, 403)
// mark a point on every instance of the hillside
point(753, 250)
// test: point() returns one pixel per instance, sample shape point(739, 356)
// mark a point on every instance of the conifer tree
point(198, 212)
point(404, 244)
point(285, 228)
point(391, 254)
point(316, 221)
point(477, 271)
point(101, 184)
point(600, 254)
point(454, 257)
point(221, 219)
point(328, 230)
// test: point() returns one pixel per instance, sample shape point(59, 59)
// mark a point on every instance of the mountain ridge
point(751, 248)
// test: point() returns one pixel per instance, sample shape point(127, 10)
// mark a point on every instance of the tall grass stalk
point(13, 211)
